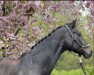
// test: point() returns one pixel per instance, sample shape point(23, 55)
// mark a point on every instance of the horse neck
point(47, 52)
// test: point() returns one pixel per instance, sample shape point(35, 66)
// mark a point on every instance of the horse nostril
point(92, 51)
point(90, 54)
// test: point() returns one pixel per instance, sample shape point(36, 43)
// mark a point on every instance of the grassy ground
point(89, 71)
point(70, 72)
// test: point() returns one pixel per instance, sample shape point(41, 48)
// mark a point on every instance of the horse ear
point(73, 23)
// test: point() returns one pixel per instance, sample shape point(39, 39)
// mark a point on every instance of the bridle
point(73, 37)
point(82, 47)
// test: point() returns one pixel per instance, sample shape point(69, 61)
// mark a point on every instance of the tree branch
point(4, 8)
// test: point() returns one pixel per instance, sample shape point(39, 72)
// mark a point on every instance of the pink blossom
point(30, 6)
point(23, 19)
point(48, 19)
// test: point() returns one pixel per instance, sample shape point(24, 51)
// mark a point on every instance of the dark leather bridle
point(73, 37)
point(82, 47)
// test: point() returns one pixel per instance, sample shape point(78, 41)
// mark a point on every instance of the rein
point(82, 66)
point(82, 46)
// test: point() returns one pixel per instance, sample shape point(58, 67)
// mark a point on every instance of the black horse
point(42, 57)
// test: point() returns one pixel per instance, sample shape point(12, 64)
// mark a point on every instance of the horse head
point(75, 42)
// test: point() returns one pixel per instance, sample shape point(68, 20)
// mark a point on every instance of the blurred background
point(24, 23)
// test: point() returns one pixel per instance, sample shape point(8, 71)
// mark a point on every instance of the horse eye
point(79, 34)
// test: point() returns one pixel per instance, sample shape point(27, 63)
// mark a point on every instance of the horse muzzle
point(87, 54)
point(86, 51)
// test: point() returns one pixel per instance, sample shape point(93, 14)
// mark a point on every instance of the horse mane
point(40, 41)
point(45, 37)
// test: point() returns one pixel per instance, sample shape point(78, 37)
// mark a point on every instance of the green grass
point(89, 71)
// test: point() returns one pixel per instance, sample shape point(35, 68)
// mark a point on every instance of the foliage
point(24, 23)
